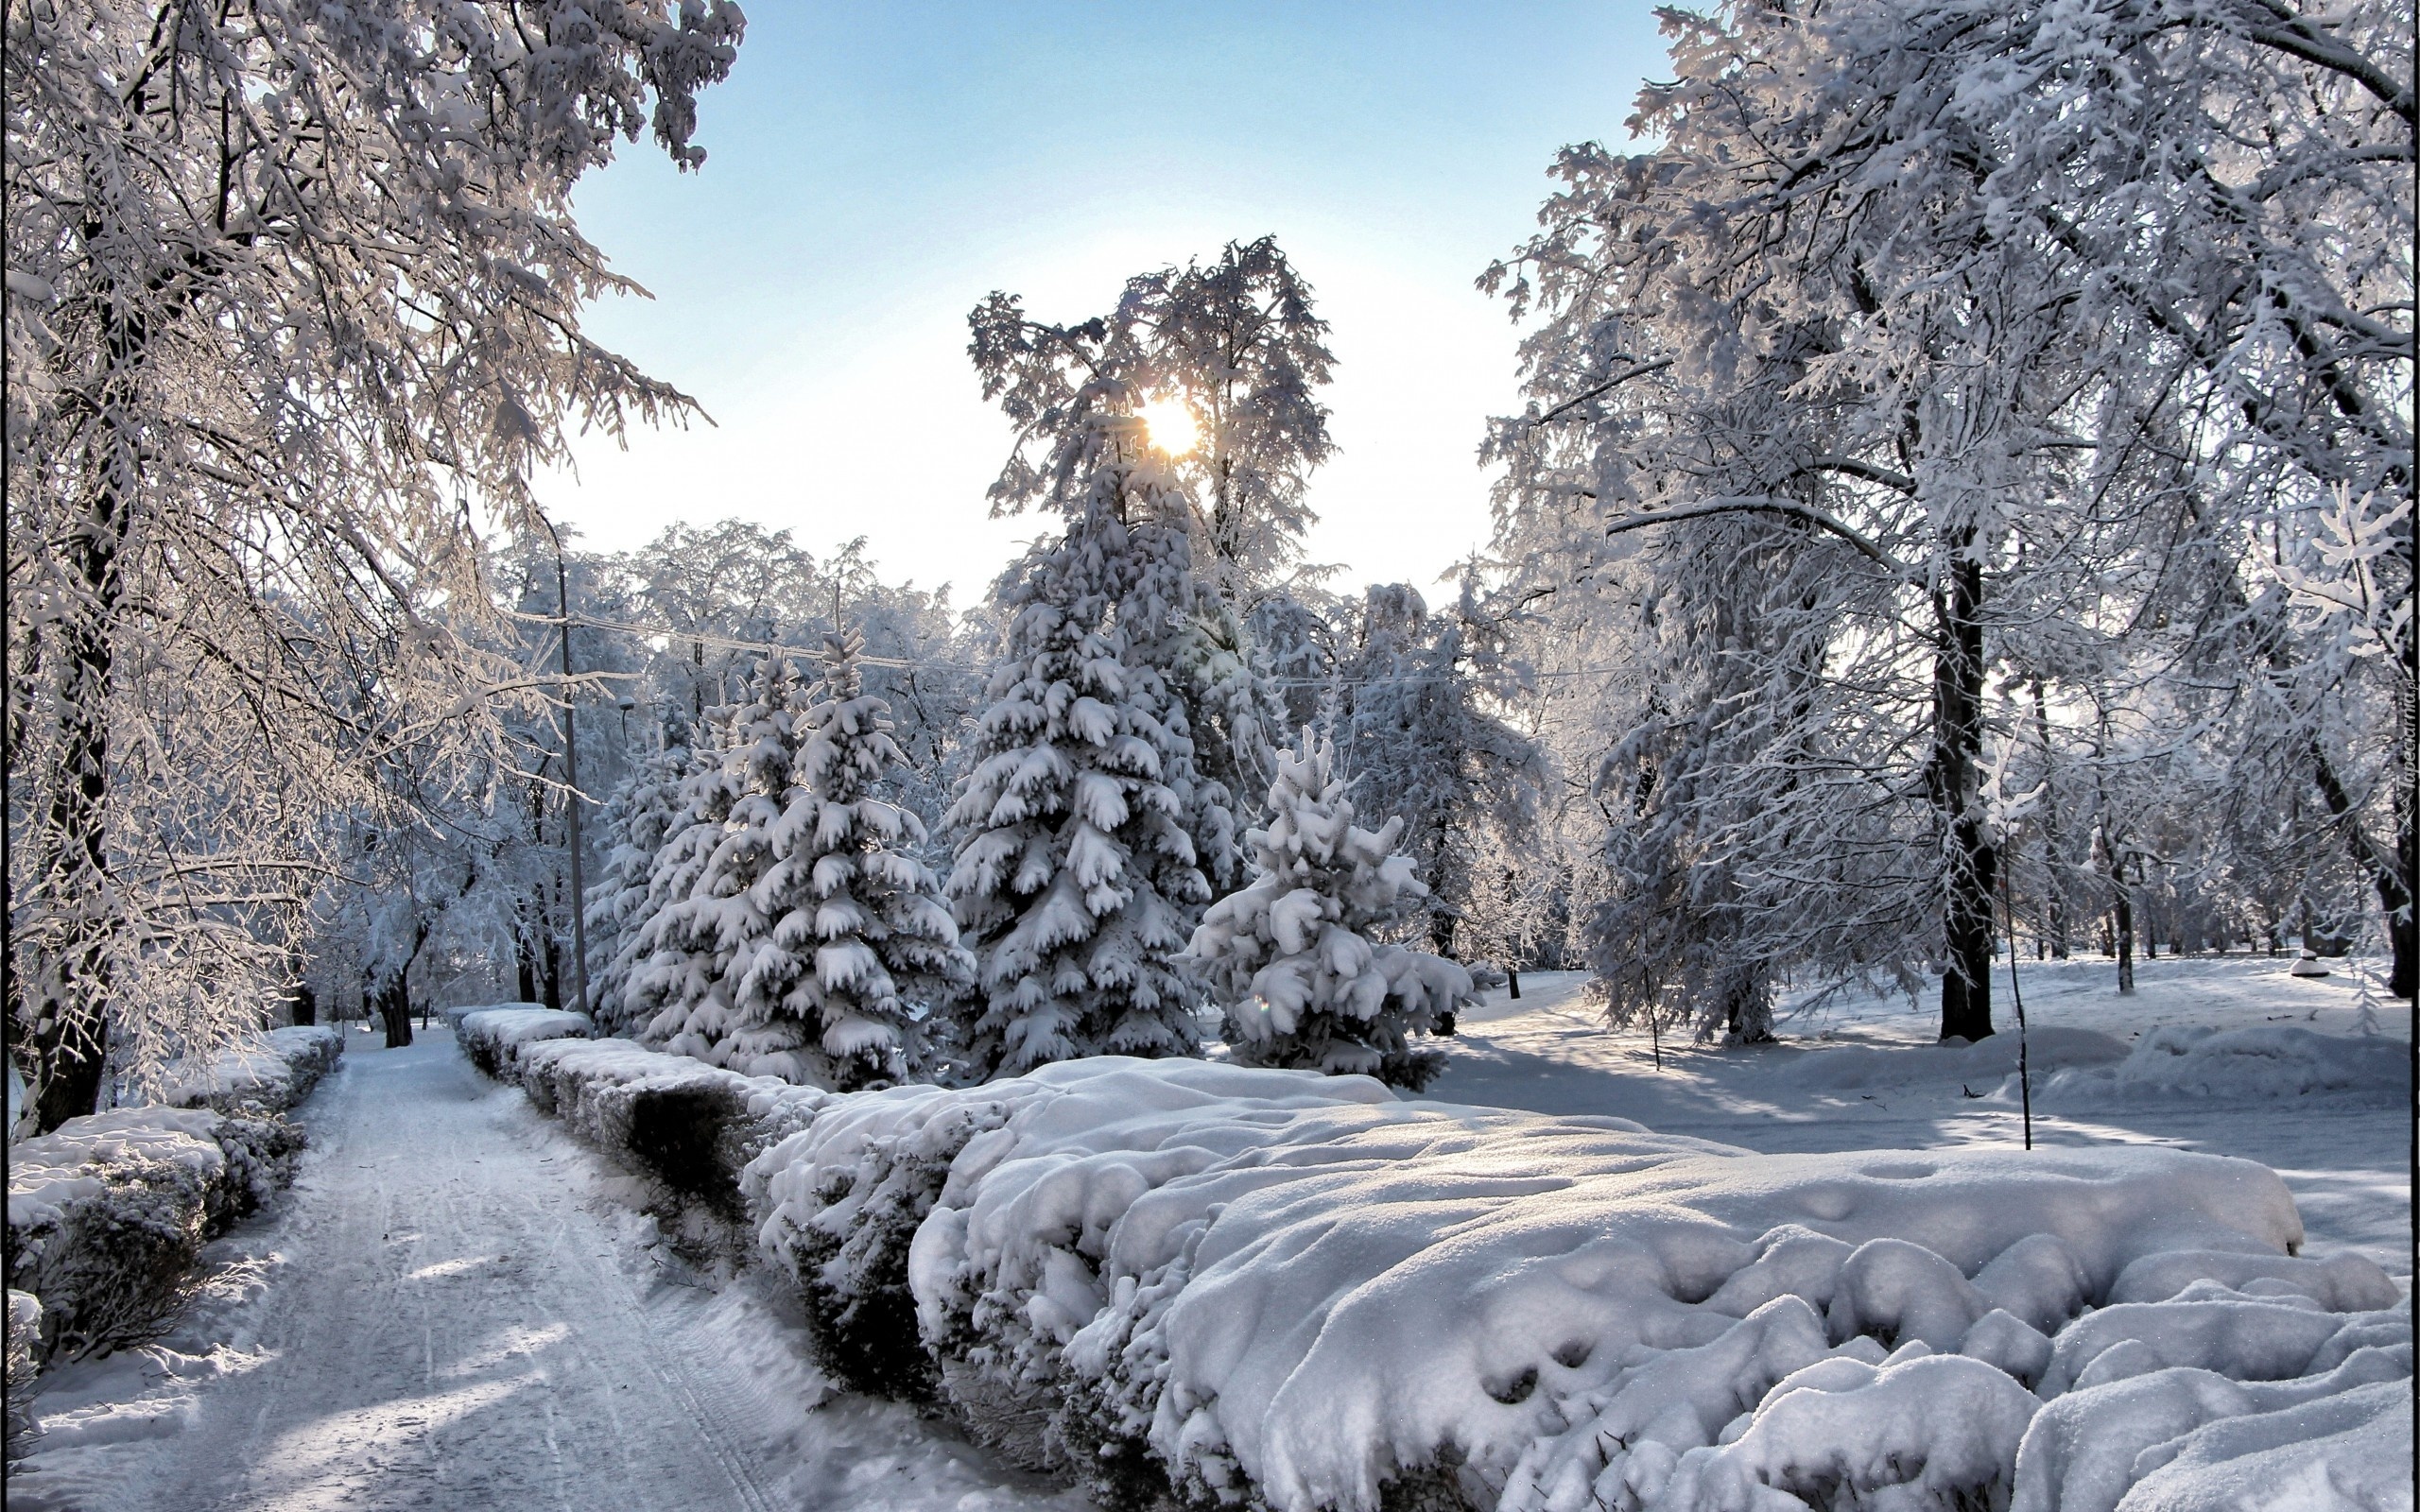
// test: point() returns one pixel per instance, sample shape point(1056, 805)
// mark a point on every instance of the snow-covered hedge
point(689, 1127)
point(107, 1213)
point(1281, 1290)
point(692, 1126)
point(275, 1072)
point(1301, 1293)
point(494, 1037)
point(25, 1351)
point(454, 1016)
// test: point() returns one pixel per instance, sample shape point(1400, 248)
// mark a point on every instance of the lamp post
point(571, 777)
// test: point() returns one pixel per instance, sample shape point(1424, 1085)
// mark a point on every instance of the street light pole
point(570, 776)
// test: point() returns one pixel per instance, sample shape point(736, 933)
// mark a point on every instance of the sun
point(1171, 427)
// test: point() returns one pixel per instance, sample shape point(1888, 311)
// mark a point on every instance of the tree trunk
point(306, 1005)
point(71, 900)
point(391, 999)
point(1511, 981)
point(2054, 889)
point(525, 965)
point(2390, 873)
point(2123, 929)
point(1973, 860)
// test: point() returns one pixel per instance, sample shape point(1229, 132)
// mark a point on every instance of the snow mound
point(2258, 1061)
point(107, 1213)
point(1171, 1274)
point(275, 1072)
point(494, 1037)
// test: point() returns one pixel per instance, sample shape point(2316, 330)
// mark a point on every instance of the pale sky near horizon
point(874, 171)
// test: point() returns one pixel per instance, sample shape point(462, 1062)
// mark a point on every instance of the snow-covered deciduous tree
point(1937, 338)
point(639, 821)
point(1298, 956)
point(863, 948)
point(291, 289)
point(1077, 877)
point(1426, 750)
point(701, 944)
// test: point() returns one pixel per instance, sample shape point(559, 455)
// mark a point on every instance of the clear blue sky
point(876, 169)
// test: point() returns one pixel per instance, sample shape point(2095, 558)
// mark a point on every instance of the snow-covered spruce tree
point(1236, 346)
point(862, 946)
point(639, 821)
point(1076, 879)
point(286, 283)
point(1292, 957)
point(700, 943)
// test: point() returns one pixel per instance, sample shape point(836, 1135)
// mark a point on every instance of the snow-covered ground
point(451, 1310)
point(457, 1306)
point(1863, 1072)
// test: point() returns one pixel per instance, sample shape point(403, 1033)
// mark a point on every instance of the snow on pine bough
point(1271, 1289)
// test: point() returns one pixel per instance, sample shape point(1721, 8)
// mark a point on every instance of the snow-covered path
point(448, 1311)
point(447, 1326)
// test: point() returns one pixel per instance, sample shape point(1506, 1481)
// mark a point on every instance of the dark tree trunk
point(391, 998)
point(2123, 930)
point(1511, 981)
point(70, 952)
point(306, 1004)
point(1973, 860)
point(2390, 873)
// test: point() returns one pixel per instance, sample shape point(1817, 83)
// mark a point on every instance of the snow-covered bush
point(273, 1073)
point(839, 1203)
point(107, 1213)
point(1199, 1277)
point(839, 990)
point(1291, 958)
point(494, 1037)
point(454, 1016)
point(24, 1346)
point(691, 1125)
point(2255, 1062)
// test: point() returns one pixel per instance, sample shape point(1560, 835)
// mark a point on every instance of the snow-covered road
point(448, 1313)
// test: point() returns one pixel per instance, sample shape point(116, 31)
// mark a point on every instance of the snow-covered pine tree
point(1291, 956)
point(1075, 881)
point(701, 943)
point(640, 820)
point(862, 947)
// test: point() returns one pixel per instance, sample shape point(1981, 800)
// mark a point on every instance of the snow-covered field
point(458, 1306)
point(1865, 1072)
